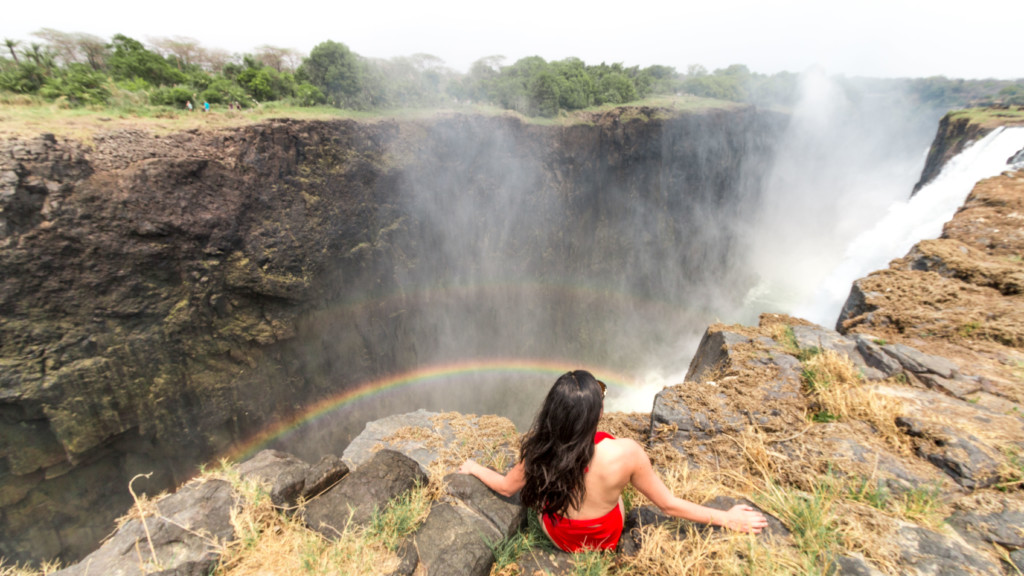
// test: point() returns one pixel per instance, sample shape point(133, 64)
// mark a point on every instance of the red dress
point(575, 534)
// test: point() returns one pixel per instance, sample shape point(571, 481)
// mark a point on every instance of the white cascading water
point(819, 297)
point(907, 223)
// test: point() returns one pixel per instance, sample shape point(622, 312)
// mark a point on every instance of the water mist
point(524, 251)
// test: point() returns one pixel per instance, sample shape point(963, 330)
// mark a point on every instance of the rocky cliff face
point(958, 130)
point(164, 297)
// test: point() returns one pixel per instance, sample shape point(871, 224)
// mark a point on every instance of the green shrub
point(308, 95)
point(79, 84)
point(174, 96)
point(224, 91)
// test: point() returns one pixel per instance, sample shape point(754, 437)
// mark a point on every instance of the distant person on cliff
point(573, 475)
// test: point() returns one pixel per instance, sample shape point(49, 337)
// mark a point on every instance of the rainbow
point(550, 368)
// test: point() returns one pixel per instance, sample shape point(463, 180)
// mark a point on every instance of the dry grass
point(992, 117)
point(490, 440)
point(21, 570)
point(706, 552)
point(837, 390)
point(26, 117)
point(271, 542)
point(825, 524)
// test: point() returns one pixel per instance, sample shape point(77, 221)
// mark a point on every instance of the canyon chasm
point(165, 297)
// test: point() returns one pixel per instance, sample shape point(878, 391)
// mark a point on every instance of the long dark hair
point(559, 447)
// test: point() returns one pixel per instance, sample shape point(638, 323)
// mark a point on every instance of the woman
point(574, 475)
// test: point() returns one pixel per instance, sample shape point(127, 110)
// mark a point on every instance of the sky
point(878, 38)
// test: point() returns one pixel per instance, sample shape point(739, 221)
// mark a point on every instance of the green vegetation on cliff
point(79, 70)
point(991, 117)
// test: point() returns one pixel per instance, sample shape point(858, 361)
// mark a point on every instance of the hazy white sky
point(885, 38)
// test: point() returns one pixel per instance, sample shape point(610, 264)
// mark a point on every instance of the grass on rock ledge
point(827, 514)
point(26, 116)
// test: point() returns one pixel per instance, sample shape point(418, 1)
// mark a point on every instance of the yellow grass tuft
point(836, 387)
point(490, 440)
point(269, 541)
point(20, 570)
point(705, 553)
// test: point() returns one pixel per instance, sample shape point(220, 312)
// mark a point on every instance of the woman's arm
point(504, 484)
point(740, 517)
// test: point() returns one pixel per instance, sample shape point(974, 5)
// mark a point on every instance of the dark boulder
point(456, 541)
point(362, 492)
point(284, 474)
point(506, 514)
point(323, 475)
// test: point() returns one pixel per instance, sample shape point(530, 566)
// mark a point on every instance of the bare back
point(609, 471)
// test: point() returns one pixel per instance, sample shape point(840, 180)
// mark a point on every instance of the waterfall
point(907, 222)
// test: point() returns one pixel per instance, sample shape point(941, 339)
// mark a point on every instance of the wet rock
point(186, 533)
point(645, 516)
point(367, 489)
point(285, 474)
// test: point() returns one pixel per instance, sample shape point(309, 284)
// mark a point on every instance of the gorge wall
point(164, 297)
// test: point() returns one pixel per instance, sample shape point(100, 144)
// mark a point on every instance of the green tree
point(544, 94)
point(266, 83)
point(11, 45)
point(480, 84)
point(1013, 94)
point(130, 59)
point(577, 89)
point(222, 90)
point(335, 70)
point(616, 88)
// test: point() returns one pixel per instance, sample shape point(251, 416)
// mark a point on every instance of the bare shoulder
point(623, 447)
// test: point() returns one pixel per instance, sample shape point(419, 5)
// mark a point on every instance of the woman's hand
point(504, 484)
point(743, 518)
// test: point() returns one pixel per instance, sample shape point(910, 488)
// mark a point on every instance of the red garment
point(573, 535)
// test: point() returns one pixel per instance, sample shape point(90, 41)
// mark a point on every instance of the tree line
point(81, 69)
